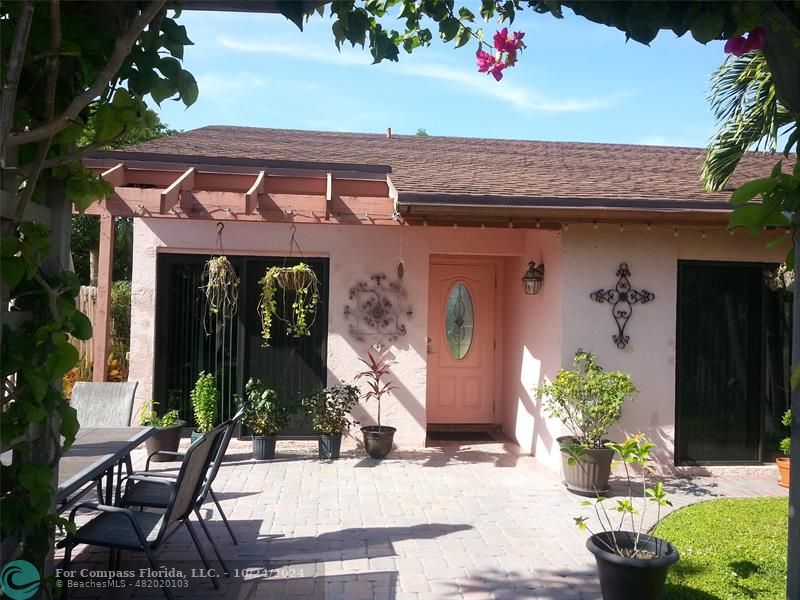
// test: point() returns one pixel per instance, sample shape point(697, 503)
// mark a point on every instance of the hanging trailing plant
point(221, 288)
point(301, 285)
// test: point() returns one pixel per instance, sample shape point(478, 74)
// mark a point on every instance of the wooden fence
point(87, 301)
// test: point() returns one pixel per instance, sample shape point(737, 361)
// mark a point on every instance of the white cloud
point(660, 140)
point(215, 84)
point(480, 84)
point(520, 97)
point(295, 50)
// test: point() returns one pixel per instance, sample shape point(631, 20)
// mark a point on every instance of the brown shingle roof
point(480, 167)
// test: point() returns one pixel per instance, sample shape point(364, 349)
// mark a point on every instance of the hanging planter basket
point(292, 278)
point(221, 289)
point(300, 289)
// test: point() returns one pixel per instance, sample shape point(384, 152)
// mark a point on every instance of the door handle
point(428, 346)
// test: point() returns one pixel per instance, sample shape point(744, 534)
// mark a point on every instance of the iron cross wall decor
point(622, 298)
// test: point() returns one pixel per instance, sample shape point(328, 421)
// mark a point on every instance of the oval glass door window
point(459, 321)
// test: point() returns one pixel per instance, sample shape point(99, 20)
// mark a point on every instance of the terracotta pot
point(783, 470)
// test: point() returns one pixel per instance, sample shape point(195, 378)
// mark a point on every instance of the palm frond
point(743, 100)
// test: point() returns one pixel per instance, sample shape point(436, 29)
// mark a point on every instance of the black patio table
point(95, 452)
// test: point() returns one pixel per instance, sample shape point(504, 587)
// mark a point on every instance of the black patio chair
point(146, 489)
point(118, 528)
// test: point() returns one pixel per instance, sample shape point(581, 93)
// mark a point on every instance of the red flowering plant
point(740, 45)
point(505, 48)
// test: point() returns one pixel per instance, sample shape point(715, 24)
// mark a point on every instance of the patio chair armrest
point(151, 477)
point(126, 512)
point(161, 474)
point(162, 453)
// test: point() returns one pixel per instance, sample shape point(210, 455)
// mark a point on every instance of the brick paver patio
point(452, 522)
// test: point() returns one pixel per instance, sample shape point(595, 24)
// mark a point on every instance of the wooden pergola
point(178, 187)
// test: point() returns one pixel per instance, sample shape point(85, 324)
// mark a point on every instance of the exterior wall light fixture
point(533, 278)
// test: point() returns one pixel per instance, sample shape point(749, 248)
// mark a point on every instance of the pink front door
point(461, 343)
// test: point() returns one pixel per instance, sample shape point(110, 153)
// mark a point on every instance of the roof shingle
point(470, 166)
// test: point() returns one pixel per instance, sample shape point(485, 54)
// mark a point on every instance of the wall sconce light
point(533, 278)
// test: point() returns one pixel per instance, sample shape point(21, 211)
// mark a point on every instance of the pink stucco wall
point(532, 346)
point(539, 334)
point(590, 259)
point(355, 252)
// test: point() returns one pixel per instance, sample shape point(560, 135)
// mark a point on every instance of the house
point(441, 232)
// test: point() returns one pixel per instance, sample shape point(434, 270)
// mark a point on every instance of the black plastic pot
point(378, 440)
point(330, 446)
point(624, 578)
point(264, 447)
point(164, 439)
point(591, 476)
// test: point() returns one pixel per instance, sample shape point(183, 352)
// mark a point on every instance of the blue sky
point(576, 81)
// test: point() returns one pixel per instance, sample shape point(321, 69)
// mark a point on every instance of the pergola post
point(102, 312)
point(793, 558)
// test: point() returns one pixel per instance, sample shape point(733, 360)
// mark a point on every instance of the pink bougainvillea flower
point(739, 45)
point(506, 48)
point(735, 45)
point(755, 39)
point(501, 39)
point(485, 61)
point(497, 70)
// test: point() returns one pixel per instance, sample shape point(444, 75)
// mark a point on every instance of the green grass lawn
point(730, 550)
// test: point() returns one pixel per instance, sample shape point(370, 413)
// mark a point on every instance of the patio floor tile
point(448, 523)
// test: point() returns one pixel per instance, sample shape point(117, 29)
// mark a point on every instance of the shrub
point(587, 400)
point(205, 398)
point(329, 409)
point(148, 416)
point(121, 313)
point(786, 443)
point(263, 414)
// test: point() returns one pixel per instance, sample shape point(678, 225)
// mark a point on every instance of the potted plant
point(302, 285)
point(168, 431)
point(784, 462)
point(378, 438)
point(632, 564)
point(329, 410)
point(588, 401)
point(264, 416)
point(205, 399)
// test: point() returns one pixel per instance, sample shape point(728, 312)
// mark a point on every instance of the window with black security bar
point(186, 345)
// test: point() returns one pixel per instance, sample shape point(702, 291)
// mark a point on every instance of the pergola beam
point(251, 200)
point(115, 175)
point(172, 195)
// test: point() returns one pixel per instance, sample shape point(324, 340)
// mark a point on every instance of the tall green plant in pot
point(632, 562)
point(588, 401)
point(329, 410)
point(264, 416)
point(205, 403)
point(378, 439)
